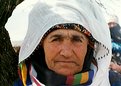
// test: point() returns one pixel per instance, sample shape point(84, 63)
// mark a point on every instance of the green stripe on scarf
point(77, 79)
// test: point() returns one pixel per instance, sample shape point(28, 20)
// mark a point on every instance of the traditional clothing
point(46, 15)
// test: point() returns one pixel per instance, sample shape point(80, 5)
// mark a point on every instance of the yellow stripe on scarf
point(24, 73)
point(84, 77)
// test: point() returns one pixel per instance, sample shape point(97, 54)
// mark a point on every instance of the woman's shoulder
point(115, 78)
point(18, 82)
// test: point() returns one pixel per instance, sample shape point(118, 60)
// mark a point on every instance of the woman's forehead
point(72, 27)
point(66, 32)
point(66, 28)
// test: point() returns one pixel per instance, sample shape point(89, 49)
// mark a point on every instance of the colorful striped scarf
point(80, 79)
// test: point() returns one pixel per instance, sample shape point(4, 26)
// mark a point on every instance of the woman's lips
point(66, 62)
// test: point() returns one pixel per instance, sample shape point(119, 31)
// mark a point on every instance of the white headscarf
point(113, 18)
point(44, 15)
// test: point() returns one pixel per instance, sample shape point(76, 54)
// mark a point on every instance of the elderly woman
point(67, 44)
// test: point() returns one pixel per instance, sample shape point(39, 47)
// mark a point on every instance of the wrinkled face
point(65, 51)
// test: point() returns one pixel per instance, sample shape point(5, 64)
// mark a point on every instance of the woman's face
point(65, 51)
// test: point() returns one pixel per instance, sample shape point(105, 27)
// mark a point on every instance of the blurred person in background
point(115, 65)
point(115, 31)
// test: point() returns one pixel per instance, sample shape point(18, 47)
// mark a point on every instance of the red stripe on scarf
point(70, 80)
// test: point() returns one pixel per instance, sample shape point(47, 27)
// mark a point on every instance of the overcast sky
point(17, 29)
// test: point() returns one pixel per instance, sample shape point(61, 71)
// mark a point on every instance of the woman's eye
point(76, 40)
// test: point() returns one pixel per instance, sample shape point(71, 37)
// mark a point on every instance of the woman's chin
point(65, 72)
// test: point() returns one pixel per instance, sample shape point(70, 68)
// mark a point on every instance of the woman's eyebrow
point(55, 35)
point(74, 36)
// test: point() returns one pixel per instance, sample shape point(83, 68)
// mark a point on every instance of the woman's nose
point(66, 50)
